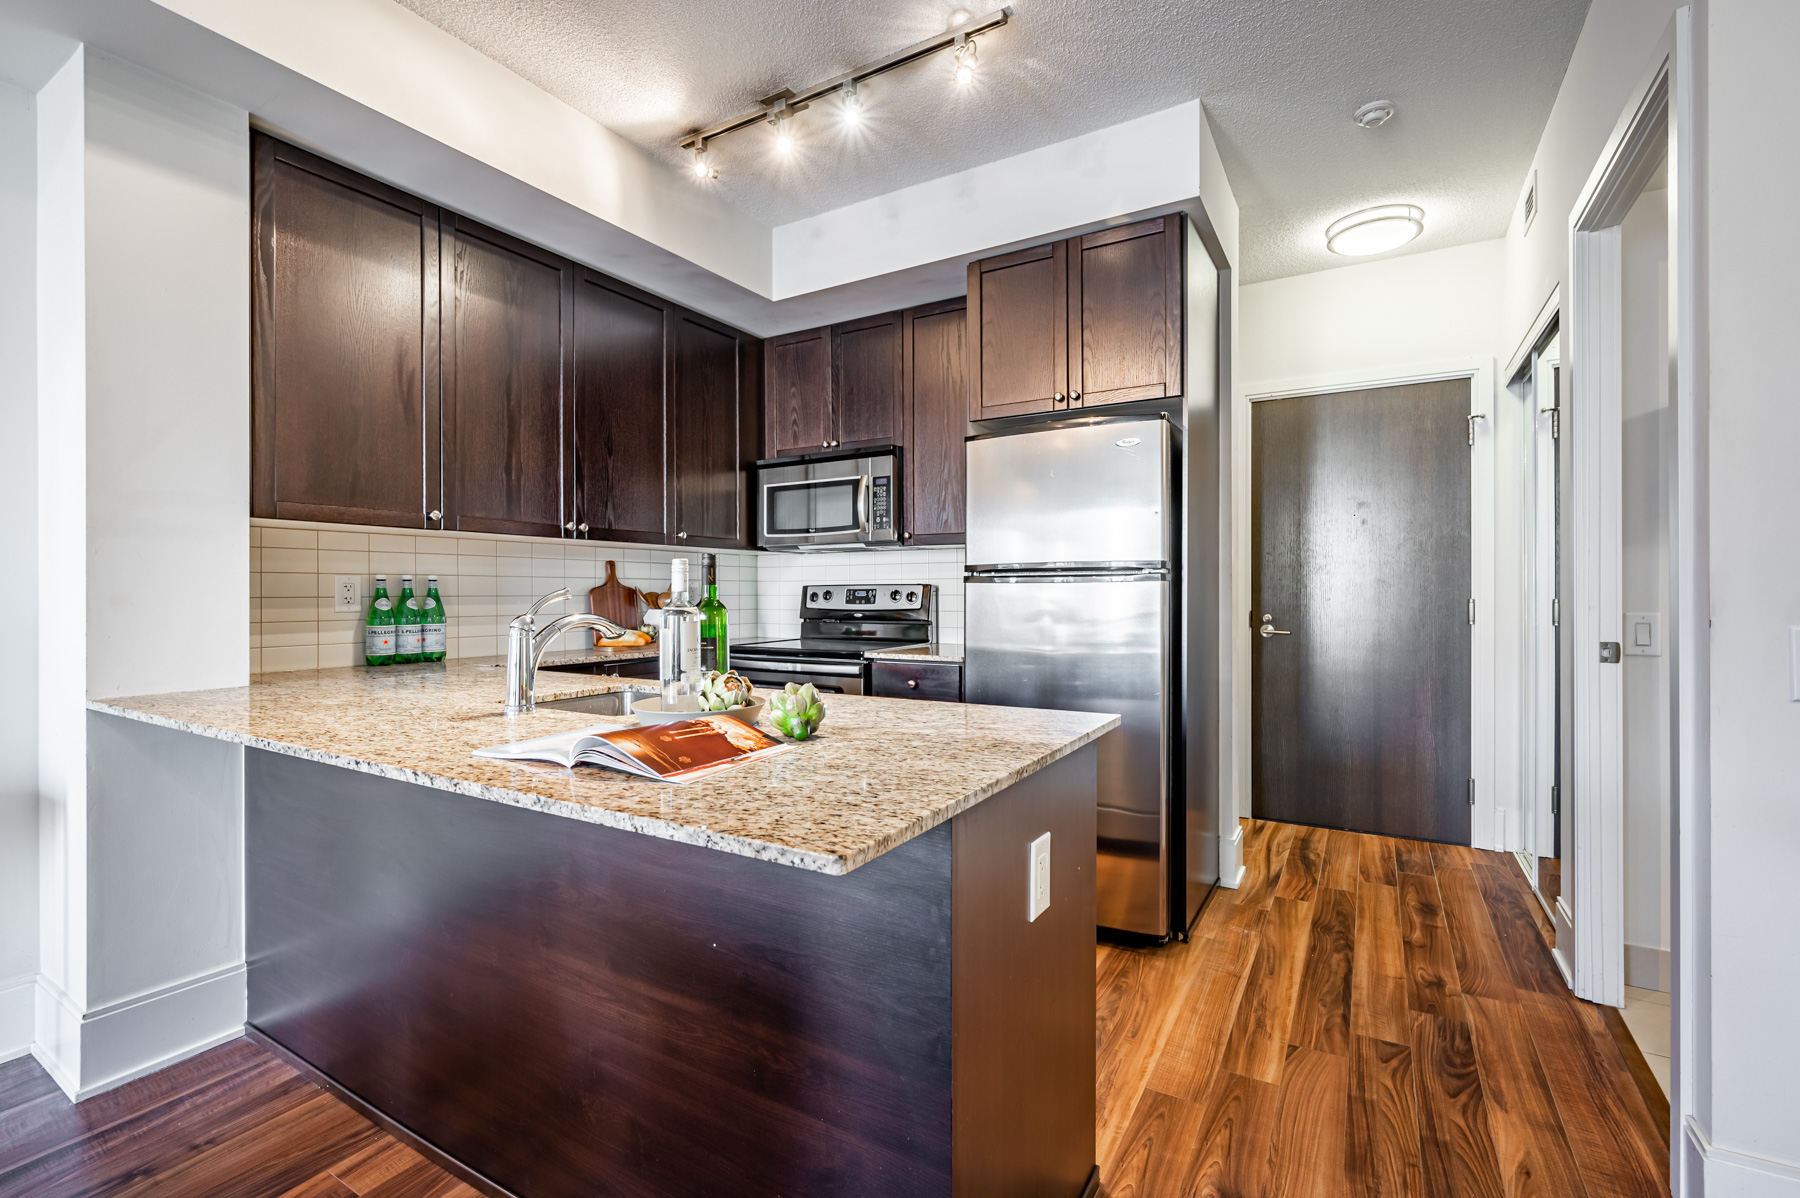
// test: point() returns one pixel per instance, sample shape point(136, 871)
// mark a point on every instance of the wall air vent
point(1531, 204)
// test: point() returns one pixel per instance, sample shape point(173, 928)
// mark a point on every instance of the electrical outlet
point(1040, 878)
point(347, 595)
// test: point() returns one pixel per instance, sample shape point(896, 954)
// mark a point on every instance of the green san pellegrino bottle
point(715, 652)
point(409, 624)
point(437, 628)
point(378, 631)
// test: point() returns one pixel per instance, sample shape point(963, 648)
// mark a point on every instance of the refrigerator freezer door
point(1092, 644)
point(1081, 493)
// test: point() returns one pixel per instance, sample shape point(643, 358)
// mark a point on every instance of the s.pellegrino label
point(378, 630)
point(437, 630)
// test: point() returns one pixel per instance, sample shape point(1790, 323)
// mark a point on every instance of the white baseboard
point(1236, 841)
point(93, 1051)
point(1647, 968)
point(17, 1011)
point(1728, 1174)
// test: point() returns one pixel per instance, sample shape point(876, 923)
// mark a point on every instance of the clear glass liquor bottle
point(409, 626)
point(378, 629)
point(437, 625)
point(715, 650)
point(679, 662)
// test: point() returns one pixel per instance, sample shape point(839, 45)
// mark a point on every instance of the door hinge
point(1471, 792)
point(1473, 417)
point(1556, 613)
point(1471, 611)
point(1555, 801)
point(1555, 415)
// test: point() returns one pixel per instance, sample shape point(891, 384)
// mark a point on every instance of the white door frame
point(1486, 825)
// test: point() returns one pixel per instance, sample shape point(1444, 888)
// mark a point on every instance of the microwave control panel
point(881, 501)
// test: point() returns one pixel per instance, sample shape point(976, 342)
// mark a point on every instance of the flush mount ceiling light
point(1375, 112)
point(779, 108)
point(1375, 230)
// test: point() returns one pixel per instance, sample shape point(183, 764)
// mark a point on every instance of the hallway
point(1366, 1016)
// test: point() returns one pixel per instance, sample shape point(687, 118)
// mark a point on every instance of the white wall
point(1644, 528)
point(18, 547)
point(1747, 1104)
point(143, 474)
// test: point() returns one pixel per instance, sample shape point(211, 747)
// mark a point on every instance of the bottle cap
point(432, 578)
point(381, 580)
point(406, 580)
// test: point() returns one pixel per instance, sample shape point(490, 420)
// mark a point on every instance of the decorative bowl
point(649, 710)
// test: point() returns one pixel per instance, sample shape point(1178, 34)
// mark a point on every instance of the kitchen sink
point(608, 703)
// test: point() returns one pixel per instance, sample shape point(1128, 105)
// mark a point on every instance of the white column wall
point(18, 550)
point(143, 469)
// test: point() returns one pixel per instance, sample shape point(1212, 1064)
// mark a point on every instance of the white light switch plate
point(1039, 900)
point(1643, 634)
point(347, 593)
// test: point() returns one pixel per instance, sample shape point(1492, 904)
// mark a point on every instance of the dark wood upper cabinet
point(706, 418)
point(867, 395)
point(1125, 313)
point(507, 369)
point(797, 392)
point(1018, 332)
point(344, 350)
point(619, 423)
point(936, 390)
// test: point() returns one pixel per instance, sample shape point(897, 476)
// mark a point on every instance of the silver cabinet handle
point(1057, 398)
point(1268, 628)
point(1074, 397)
point(570, 526)
point(912, 684)
point(681, 536)
point(436, 515)
point(582, 527)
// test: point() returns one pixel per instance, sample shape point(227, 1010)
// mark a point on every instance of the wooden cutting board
point(613, 600)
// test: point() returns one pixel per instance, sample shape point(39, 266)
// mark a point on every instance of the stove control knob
point(894, 596)
point(912, 596)
point(828, 596)
point(812, 597)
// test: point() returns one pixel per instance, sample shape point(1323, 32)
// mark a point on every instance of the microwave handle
point(862, 504)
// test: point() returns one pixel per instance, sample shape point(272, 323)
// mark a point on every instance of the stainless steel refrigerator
point(1073, 602)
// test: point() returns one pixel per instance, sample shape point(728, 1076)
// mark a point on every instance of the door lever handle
point(1268, 628)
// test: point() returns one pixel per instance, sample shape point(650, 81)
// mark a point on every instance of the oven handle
point(835, 670)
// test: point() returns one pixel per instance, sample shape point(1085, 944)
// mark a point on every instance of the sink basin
point(607, 703)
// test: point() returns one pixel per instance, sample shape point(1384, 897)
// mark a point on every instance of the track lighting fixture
point(779, 109)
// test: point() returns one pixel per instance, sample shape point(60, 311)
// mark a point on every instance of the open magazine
point(682, 752)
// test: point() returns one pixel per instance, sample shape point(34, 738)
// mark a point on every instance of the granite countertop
point(944, 651)
point(878, 772)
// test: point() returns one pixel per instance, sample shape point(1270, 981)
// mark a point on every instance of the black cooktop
point(835, 648)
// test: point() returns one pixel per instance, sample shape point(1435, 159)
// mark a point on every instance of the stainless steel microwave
point(838, 502)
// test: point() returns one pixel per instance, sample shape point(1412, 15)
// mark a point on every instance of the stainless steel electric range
point(839, 622)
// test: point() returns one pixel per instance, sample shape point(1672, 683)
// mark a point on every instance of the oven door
point(847, 502)
point(830, 677)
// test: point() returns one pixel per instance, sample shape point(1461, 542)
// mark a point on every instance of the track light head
point(701, 168)
point(966, 59)
point(853, 103)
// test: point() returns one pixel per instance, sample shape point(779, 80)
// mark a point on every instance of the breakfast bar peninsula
point(817, 974)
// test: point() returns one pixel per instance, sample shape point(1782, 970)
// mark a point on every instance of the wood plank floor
point(1367, 1017)
point(235, 1122)
point(1364, 1017)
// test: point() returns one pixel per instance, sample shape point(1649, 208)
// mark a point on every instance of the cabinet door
point(704, 398)
point(344, 410)
point(507, 344)
point(797, 392)
point(937, 403)
point(1018, 333)
point(866, 399)
point(621, 366)
point(1125, 313)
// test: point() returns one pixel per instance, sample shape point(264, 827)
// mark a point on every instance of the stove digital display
point(860, 595)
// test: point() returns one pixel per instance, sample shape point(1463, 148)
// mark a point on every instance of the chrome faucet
point(526, 642)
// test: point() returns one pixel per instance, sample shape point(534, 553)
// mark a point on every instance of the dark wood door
point(937, 403)
point(866, 400)
point(797, 392)
point(1125, 313)
point(508, 373)
point(709, 503)
point(344, 345)
point(1360, 513)
point(621, 363)
point(1018, 340)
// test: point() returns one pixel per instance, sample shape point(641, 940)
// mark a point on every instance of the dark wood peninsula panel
point(935, 391)
point(412, 367)
point(620, 419)
point(507, 349)
point(344, 345)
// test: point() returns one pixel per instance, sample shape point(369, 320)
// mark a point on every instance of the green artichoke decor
point(796, 711)
point(722, 692)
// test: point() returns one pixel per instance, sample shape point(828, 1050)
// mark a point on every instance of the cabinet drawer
point(925, 680)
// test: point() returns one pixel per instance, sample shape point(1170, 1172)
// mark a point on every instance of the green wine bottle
point(409, 626)
point(437, 628)
point(715, 651)
point(378, 630)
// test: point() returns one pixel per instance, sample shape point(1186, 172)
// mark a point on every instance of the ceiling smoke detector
point(1374, 113)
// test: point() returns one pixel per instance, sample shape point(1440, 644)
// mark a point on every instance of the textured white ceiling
point(1473, 79)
